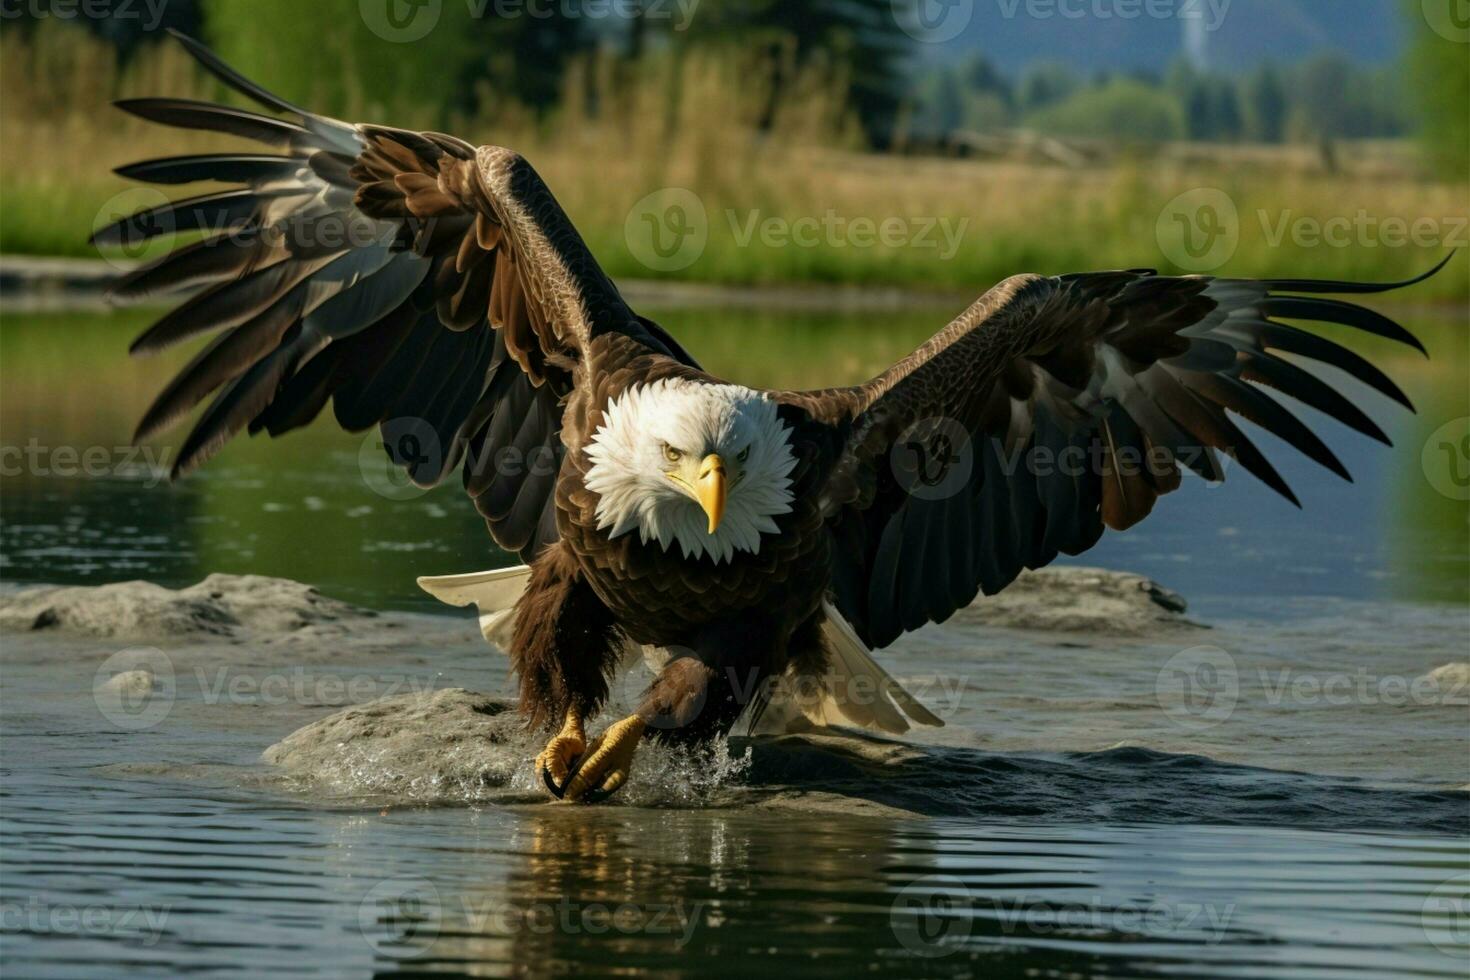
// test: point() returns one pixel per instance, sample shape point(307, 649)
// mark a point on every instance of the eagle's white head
point(705, 465)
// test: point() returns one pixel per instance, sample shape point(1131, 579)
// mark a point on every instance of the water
point(1076, 816)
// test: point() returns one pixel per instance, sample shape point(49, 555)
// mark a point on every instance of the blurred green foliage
point(1325, 97)
point(331, 58)
point(1439, 77)
point(1122, 108)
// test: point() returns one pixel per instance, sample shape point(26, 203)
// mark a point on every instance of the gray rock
point(456, 746)
point(1076, 599)
point(451, 744)
point(232, 607)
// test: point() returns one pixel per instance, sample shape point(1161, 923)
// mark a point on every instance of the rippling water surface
point(1062, 824)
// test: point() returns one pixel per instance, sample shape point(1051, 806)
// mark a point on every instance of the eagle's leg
point(564, 645)
point(554, 764)
point(607, 763)
point(690, 702)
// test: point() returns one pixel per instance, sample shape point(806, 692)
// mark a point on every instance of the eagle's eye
point(743, 455)
point(671, 454)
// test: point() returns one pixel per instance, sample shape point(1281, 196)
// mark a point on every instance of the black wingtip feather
point(219, 69)
point(1343, 286)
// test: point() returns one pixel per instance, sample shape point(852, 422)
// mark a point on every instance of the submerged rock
point(233, 607)
point(1077, 599)
point(435, 745)
point(457, 746)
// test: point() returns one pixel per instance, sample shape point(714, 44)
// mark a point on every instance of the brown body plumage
point(462, 312)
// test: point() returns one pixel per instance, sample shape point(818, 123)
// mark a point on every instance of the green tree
point(326, 54)
point(1046, 83)
point(1439, 75)
point(1122, 108)
point(861, 38)
point(1266, 105)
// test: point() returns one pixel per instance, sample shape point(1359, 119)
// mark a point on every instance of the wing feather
point(1082, 397)
point(412, 281)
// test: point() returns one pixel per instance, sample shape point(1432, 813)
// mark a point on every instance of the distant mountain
point(1226, 34)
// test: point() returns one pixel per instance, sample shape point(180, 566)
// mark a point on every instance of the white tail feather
point(854, 691)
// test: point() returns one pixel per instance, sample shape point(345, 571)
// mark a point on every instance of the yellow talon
point(554, 763)
point(608, 760)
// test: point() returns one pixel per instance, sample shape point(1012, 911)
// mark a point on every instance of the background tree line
point(1326, 96)
point(473, 57)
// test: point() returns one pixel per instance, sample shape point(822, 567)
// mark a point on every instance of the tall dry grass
point(706, 121)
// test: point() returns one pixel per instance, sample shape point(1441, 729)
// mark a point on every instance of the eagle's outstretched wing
point(422, 285)
point(1054, 407)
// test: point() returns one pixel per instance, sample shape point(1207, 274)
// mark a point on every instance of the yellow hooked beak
point(709, 487)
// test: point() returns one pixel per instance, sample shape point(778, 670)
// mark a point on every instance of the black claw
point(556, 791)
point(597, 795)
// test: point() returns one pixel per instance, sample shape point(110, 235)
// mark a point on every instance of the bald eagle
point(437, 291)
